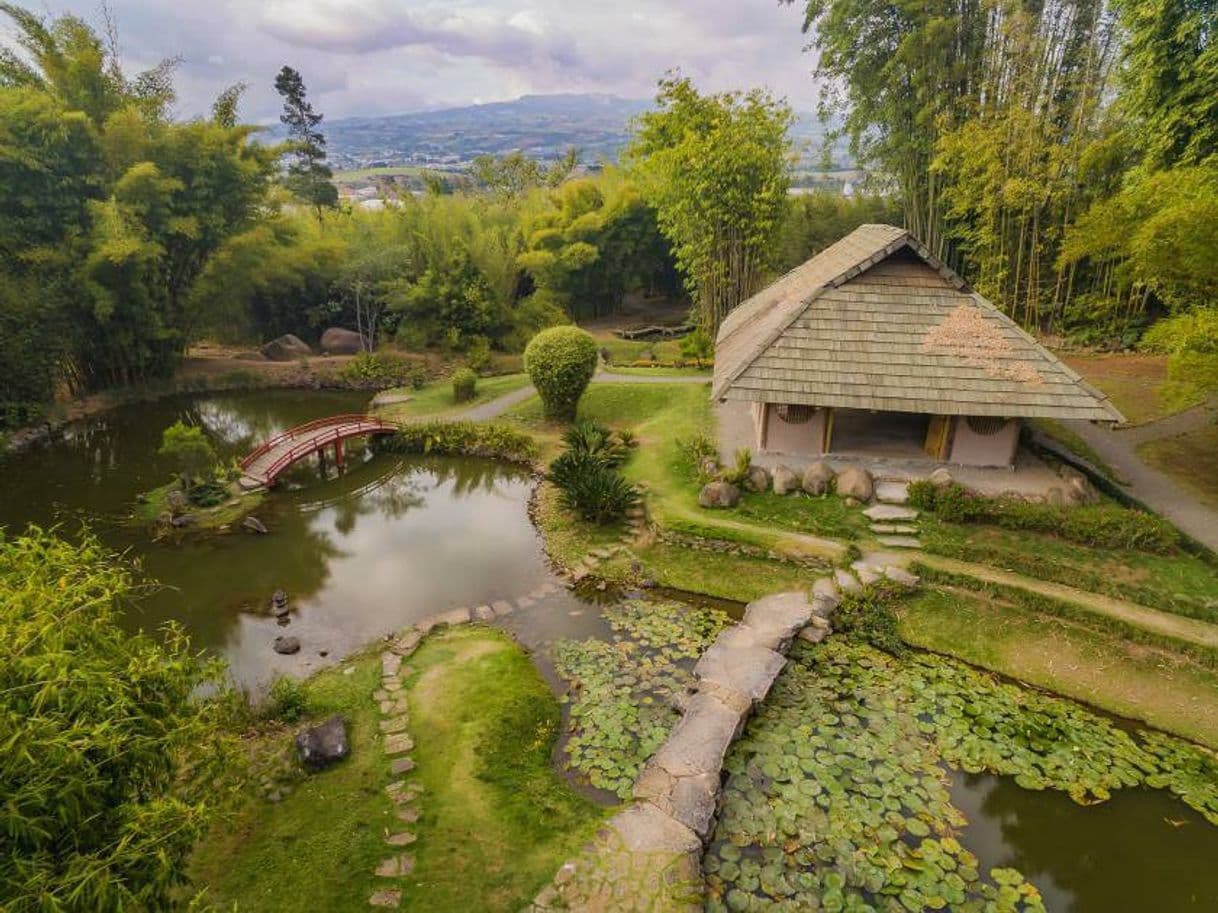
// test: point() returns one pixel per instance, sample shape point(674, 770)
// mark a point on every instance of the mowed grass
point(317, 848)
point(1178, 582)
point(1191, 459)
point(496, 820)
point(1134, 383)
point(436, 399)
point(1161, 688)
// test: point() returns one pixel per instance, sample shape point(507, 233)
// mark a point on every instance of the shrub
point(208, 494)
point(698, 346)
point(478, 354)
point(868, 616)
point(491, 439)
point(191, 453)
point(372, 370)
point(595, 440)
point(1099, 525)
point(739, 473)
point(1195, 331)
point(465, 385)
point(561, 361)
point(418, 377)
point(695, 452)
point(287, 700)
point(590, 488)
point(99, 811)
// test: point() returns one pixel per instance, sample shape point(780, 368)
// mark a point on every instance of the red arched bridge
point(267, 461)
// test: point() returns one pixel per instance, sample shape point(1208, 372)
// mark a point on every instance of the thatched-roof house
point(874, 347)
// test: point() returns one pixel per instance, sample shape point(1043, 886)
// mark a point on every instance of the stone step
point(892, 492)
point(882, 512)
point(894, 529)
point(900, 541)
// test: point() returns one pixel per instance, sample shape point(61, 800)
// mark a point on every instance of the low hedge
point(1100, 525)
point(494, 439)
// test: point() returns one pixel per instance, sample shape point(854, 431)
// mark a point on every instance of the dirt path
point(1153, 488)
point(1166, 624)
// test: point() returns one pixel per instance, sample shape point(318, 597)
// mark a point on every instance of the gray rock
point(254, 525)
point(899, 541)
point(855, 482)
point(784, 480)
point(643, 828)
point(321, 746)
point(901, 576)
point(749, 671)
point(847, 581)
point(286, 645)
point(941, 478)
point(183, 520)
point(175, 500)
point(286, 348)
point(699, 741)
point(719, 494)
point(777, 618)
point(882, 512)
point(818, 478)
point(892, 492)
point(758, 479)
point(339, 341)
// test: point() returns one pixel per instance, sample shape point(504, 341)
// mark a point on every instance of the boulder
point(286, 645)
point(719, 494)
point(338, 341)
point(758, 479)
point(254, 525)
point(286, 348)
point(941, 478)
point(183, 520)
point(855, 482)
point(709, 467)
point(784, 480)
point(1079, 489)
point(321, 746)
point(818, 478)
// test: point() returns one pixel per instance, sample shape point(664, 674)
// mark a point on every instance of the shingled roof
point(877, 322)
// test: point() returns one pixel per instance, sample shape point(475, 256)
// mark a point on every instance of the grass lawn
point(1191, 459)
point(1157, 686)
point(661, 372)
point(1074, 443)
point(1134, 383)
point(497, 821)
point(1177, 582)
point(227, 513)
point(623, 351)
point(436, 399)
point(318, 847)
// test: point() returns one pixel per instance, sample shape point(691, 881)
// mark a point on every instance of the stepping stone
point(601, 553)
point(396, 866)
point(484, 613)
point(901, 576)
point(894, 529)
point(390, 663)
point(578, 574)
point(451, 617)
point(380, 694)
point(405, 838)
point(397, 724)
point(883, 512)
point(387, 706)
point(385, 899)
point(398, 743)
point(900, 542)
point(847, 581)
point(548, 588)
point(591, 560)
point(405, 643)
point(400, 766)
point(502, 607)
point(892, 492)
point(409, 815)
point(392, 684)
point(523, 602)
point(867, 574)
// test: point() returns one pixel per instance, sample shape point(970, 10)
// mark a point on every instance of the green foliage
point(588, 437)
point(209, 493)
point(561, 361)
point(868, 616)
point(187, 447)
point(1101, 525)
point(815, 220)
point(373, 370)
point(591, 489)
point(465, 385)
point(418, 377)
point(622, 708)
point(286, 700)
point(715, 167)
point(308, 174)
point(109, 743)
point(1194, 331)
point(698, 346)
point(441, 438)
point(738, 474)
point(696, 453)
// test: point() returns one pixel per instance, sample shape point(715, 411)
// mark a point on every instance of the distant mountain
point(542, 126)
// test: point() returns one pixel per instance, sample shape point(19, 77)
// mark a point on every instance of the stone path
point(894, 524)
point(649, 856)
point(1155, 489)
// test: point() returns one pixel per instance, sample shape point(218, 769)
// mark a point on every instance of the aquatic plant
point(623, 709)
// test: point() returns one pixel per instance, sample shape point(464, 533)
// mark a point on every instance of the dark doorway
point(890, 434)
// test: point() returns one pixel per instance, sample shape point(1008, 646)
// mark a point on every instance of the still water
point(395, 539)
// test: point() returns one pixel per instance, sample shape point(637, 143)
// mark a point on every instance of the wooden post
point(763, 426)
point(827, 442)
point(338, 452)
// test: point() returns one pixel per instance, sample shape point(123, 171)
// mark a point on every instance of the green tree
point(309, 177)
point(187, 447)
point(716, 169)
point(99, 726)
point(561, 362)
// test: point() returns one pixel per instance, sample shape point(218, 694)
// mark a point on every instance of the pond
point(390, 541)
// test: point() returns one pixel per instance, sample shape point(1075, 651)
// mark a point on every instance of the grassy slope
point(316, 849)
point(225, 514)
point(436, 399)
point(1191, 459)
point(496, 820)
point(1132, 680)
point(1134, 383)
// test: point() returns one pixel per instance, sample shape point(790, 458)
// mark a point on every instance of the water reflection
point(1140, 851)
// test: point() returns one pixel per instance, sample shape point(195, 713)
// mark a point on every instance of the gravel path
point(1153, 488)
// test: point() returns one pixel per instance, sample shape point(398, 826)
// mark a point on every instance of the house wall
point(972, 449)
point(801, 440)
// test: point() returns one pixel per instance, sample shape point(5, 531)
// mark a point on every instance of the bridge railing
point(304, 428)
point(360, 425)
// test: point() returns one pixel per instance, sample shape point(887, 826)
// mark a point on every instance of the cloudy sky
point(388, 56)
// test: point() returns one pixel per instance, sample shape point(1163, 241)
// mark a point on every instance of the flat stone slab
point(396, 866)
point(406, 642)
point(699, 741)
point(396, 724)
point(404, 838)
point(891, 492)
point(524, 602)
point(390, 664)
point(385, 899)
point(645, 829)
point(399, 766)
point(451, 617)
point(409, 815)
point(750, 671)
point(900, 541)
point(484, 613)
point(777, 618)
point(894, 529)
point(399, 743)
point(502, 607)
point(882, 512)
point(847, 581)
point(901, 576)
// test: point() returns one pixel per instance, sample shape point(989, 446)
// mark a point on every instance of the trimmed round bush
point(561, 362)
point(465, 385)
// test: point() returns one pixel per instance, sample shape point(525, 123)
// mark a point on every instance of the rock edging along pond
point(648, 857)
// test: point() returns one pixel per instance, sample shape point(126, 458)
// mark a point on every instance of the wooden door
point(938, 436)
